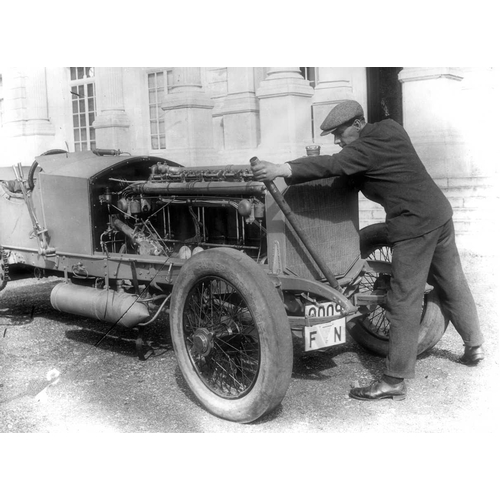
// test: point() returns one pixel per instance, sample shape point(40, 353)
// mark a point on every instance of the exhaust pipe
point(104, 305)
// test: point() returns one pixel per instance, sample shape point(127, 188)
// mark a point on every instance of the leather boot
point(472, 355)
point(379, 390)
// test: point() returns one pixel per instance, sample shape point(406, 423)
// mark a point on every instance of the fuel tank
point(104, 305)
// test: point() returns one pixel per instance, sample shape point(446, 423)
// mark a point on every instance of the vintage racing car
point(239, 266)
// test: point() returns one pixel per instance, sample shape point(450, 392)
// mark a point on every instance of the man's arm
point(349, 161)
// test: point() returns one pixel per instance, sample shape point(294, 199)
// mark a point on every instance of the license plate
point(322, 310)
point(325, 334)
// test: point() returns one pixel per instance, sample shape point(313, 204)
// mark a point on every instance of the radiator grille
point(327, 212)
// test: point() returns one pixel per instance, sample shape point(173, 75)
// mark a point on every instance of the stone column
point(188, 119)
point(37, 116)
point(334, 86)
point(112, 123)
point(14, 107)
point(481, 100)
point(432, 116)
point(240, 110)
point(285, 113)
point(27, 128)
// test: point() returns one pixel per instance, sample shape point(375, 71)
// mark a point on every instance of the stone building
point(223, 115)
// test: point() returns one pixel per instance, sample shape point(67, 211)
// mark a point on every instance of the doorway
point(385, 95)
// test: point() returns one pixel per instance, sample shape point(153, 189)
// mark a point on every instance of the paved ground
point(108, 390)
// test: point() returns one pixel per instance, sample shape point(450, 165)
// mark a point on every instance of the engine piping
point(197, 187)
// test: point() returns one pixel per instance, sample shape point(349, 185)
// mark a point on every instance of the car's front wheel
point(231, 335)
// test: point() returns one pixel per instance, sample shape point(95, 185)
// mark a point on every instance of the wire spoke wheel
point(372, 331)
point(231, 335)
point(377, 321)
point(218, 334)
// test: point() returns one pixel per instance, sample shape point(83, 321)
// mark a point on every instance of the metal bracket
point(377, 297)
point(65, 268)
point(277, 267)
point(40, 232)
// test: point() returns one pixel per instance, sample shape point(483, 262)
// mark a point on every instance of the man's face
point(345, 134)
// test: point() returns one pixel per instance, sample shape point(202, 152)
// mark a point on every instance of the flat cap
point(340, 114)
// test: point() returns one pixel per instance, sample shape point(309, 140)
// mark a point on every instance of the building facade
point(225, 115)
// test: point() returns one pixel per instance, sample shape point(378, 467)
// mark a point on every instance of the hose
point(31, 173)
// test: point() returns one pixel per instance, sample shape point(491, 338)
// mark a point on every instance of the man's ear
point(358, 124)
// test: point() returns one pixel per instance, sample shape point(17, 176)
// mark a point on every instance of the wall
point(446, 112)
point(220, 115)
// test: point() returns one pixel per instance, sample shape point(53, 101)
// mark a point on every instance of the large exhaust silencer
point(104, 305)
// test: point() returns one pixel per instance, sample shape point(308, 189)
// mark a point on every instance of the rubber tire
point(268, 312)
point(433, 323)
point(372, 238)
point(4, 270)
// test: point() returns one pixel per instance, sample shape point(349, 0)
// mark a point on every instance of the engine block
point(177, 211)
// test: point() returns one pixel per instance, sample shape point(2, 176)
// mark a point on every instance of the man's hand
point(267, 171)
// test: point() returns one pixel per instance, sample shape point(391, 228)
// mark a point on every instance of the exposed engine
point(178, 212)
point(127, 223)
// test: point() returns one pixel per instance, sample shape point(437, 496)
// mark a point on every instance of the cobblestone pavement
point(107, 389)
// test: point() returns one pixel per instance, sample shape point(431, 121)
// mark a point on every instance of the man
point(382, 160)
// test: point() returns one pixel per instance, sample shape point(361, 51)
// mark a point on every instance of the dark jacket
point(387, 170)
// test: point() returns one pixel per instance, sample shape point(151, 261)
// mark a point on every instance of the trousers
point(432, 258)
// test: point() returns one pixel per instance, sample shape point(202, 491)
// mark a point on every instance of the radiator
point(327, 212)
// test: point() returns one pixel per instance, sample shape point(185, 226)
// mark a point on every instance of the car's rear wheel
point(4, 269)
point(231, 335)
point(372, 331)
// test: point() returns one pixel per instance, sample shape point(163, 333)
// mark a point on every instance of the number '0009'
point(323, 310)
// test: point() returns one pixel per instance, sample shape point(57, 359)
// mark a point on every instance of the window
point(309, 74)
point(83, 103)
point(157, 88)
